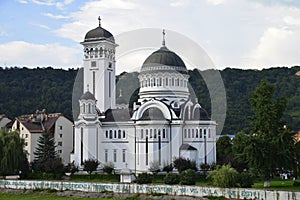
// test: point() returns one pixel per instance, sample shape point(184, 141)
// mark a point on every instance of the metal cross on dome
point(164, 40)
point(99, 19)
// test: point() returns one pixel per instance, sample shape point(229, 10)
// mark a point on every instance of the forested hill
point(23, 90)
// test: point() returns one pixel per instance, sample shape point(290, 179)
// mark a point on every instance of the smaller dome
point(87, 96)
point(99, 33)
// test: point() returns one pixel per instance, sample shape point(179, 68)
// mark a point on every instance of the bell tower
point(99, 66)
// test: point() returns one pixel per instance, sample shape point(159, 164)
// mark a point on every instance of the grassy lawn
point(277, 184)
point(39, 196)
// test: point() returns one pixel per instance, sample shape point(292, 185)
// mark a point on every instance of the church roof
point(99, 33)
point(164, 60)
point(187, 147)
point(117, 115)
point(87, 96)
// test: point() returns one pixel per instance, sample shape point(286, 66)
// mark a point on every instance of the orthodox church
point(165, 123)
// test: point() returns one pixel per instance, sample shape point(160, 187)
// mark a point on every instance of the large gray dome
point(164, 60)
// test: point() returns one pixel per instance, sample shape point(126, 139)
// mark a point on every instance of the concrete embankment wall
point(197, 191)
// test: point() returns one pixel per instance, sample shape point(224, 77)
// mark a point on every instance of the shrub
point(154, 167)
point(224, 176)
point(108, 167)
point(188, 177)
point(296, 183)
point(90, 165)
point(171, 179)
point(71, 168)
point(144, 178)
point(204, 167)
point(245, 180)
point(168, 167)
point(182, 164)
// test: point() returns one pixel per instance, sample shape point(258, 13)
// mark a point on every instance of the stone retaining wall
point(197, 191)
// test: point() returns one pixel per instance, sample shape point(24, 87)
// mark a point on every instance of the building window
point(208, 133)
point(106, 134)
point(184, 133)
point(119, 134)
point(189, 133)
point(193, 133)
point(26, 136)
point(124, 134)
point(115, 155)
point(93, 64)
point(60, 127)
point(59, 151)
point(142, 133)
point(167, 81)
point(197, 135)
point(124, 155)
point(110, 134)
point(164, 133)
point(200, 132)
point(26, 144)
point(60, 135)
point(115, 134)
point(106, 155)
point(150, 133)
point(109, 84)
point(59, 143)
point(94, 82)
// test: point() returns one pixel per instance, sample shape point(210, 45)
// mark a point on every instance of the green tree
point(270, 145)
point(90, 165)
point(12, 155)
point(44, 152)
point(239, 142)
point(224, 150)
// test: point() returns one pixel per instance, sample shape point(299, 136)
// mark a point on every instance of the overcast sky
point(247, 34)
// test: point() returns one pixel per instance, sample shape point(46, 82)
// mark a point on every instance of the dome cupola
point(99, 33)
point(164, 60)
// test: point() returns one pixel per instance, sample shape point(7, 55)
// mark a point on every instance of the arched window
point(167, 81)
point(119, 134)
point(110, 134)
point(106, 134)
point(89, 108)
point(101, 52)
point(142, 133)
point(193, 133)
point(124, 134)
point(184, 133)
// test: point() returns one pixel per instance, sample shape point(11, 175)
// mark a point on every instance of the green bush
point(224, 176)
point(182, 164)
point(171, 179)
point(168, 168)
point(245, 180)
point(188, 177)
point(296, 183)
point(144, 178)
point(108, 167)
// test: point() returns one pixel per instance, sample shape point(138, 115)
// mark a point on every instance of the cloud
point(20, 53)
point(121, 13)
point(56, 16)
point(215, 2)
point(179, 3)
point(277, 47)
point(57, 4)
point(292, 3)
point(41, 26)
point(23, 1)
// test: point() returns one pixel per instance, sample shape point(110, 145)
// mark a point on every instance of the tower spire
point(99, 19)
point(164, 39)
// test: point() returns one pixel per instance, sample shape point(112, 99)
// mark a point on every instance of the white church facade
point(165, 123)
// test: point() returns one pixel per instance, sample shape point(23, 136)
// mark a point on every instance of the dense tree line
point(24, 90)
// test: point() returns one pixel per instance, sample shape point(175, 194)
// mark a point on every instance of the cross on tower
point(164, 41)
point(99, 19)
